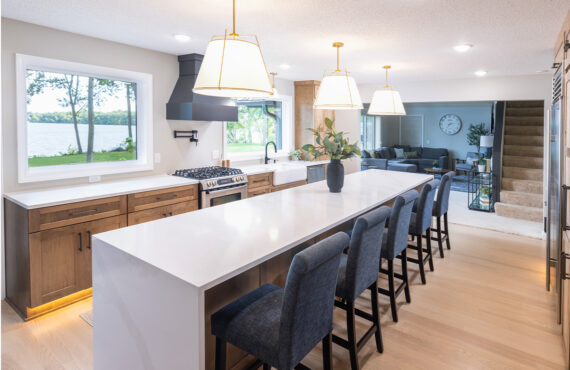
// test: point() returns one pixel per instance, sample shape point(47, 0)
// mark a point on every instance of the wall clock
point(450, 124)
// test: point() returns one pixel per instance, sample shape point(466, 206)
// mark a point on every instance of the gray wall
point(25, 38)
point(469, 112)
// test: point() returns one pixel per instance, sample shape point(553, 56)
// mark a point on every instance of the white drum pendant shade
point(338, 91)
point(233, 68)
point(386, 102)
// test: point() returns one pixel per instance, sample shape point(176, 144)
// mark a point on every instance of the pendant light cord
point(337, 45)
point(387, 68)
point(234, 34)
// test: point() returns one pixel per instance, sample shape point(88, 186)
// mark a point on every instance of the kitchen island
point(156, 284)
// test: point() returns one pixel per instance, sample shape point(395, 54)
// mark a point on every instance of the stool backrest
point(442, 201)
point(308, 299)
point(425, 207)
point(364, 252)
point(399, 224)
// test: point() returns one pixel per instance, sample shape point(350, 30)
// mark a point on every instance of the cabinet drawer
point(259, 180)
point(164, 197)
point(73, 213)
point(258, 191)
point(162, 212)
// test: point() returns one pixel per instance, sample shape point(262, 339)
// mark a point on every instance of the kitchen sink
point(284, 173)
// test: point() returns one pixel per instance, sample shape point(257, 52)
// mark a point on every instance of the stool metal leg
point(421, 260)
point(266, 367)
point(220, 354)
point(327, 352)
point(405, 275)
point(428, 242)
point(352, 345)
point(376, 317)
point(446, 230)
point(439, 239)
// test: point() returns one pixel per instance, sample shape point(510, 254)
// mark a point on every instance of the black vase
point(335, 175)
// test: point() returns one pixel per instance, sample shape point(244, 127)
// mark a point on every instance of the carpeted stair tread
point(524, 121)
point(526, 104)
point(521, 199)
point(523, 140)
point(522, 161)
point(519, 212)
point(522, 173)
point(534, 151)
point(528, 112)
point(524, 130)
point(518, 185)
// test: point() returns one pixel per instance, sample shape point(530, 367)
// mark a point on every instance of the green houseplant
point(474, 134)
point(485, 195)
point(435, 164)
point(330, 142)
point(296, 154)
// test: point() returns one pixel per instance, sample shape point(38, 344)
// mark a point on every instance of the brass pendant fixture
point(233, 67)
point(338, 89)
point(386, 101)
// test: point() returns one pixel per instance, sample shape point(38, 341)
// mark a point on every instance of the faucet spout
point(267, 145)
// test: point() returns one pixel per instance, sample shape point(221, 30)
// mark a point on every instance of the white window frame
point(287, 125)
point(144, 113)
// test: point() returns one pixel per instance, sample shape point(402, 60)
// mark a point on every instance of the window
point(370, 132)
point(259, 121)
point(80, 120)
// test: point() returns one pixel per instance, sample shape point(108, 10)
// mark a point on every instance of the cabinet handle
point(170, 213)
point(164, 215)
point(80, 242)
point(89, 242)
point(83, 213)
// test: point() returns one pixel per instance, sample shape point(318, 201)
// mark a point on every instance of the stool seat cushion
point(252, 323)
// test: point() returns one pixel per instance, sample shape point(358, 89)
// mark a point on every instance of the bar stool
point(358, 272)
point(420, 223)
point(440, 207)
point(394, 243)
point(281, 326)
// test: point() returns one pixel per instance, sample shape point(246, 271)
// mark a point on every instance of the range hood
point(185, 105)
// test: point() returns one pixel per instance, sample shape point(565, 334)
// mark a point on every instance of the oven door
point(217, 197)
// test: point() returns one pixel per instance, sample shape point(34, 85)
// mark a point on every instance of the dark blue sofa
point(385, 157)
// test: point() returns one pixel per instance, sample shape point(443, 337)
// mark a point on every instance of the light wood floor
point(484, 307)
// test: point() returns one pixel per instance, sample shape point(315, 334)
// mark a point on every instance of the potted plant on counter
point(332, 143)
point(435, 164)
point(481, 163)
point(296, 154)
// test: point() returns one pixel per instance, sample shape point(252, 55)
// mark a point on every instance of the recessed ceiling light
point(480, 73)
point(181, 37)
point(462, 48)
point(284, 66)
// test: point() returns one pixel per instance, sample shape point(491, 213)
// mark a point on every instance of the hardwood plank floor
point(484, 307)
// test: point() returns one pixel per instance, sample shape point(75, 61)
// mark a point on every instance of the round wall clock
point(450, 124)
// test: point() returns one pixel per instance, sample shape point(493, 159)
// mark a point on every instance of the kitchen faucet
point(266, 145)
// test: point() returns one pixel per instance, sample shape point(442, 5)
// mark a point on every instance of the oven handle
point(225, 191)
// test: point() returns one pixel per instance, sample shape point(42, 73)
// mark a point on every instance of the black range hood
point(185, 105)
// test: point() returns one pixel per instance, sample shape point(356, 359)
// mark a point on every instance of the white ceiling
point(510, 37)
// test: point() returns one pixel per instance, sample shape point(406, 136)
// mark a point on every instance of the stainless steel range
point(218, 185)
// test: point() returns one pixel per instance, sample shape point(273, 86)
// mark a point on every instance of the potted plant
point(435, 164)
point(481, 163)
point(296, 154)
point(330, 142)
point(485, 195)
point(474, 135)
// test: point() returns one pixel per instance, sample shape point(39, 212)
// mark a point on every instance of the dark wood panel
point(162, 212)
point(288, 186)
point(260, 180)
point(68, 214)
point(163, 197)
point(16, 256)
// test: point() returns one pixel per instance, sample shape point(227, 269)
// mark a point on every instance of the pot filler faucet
point(266, 145)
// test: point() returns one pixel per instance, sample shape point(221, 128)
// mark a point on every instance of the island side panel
point(144, 318)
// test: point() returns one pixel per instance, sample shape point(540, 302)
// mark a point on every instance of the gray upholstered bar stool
point(358, 272)
point(420, 223)
point(394, 243)
point(440, 207)
point(281, 326)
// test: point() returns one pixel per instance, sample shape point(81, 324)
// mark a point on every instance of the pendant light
point(233, 67)
point(338, 90)
point(273, 89)
point(386, 101)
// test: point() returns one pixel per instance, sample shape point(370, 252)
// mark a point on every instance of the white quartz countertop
point(78, 193)
point(211, 245)
point(255, 169)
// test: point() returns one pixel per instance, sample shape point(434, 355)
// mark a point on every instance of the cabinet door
point(52, 263)
point(161, 212)
point(83, 266)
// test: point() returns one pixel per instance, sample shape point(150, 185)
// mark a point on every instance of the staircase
point(521, 184)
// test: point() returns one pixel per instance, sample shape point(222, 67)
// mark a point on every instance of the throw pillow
point(411, 155)
point(366, 154)
point(399, 152)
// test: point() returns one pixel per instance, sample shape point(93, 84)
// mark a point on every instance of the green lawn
point(245, 148)
point(81, 158)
